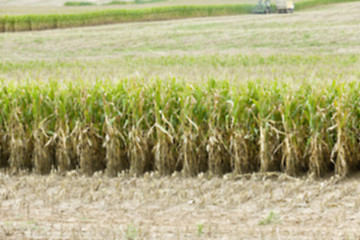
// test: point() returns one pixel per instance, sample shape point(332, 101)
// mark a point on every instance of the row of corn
point(171, 125)
point(31, 22)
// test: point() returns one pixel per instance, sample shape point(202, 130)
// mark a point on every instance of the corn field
point(35, 22)
point(170, 125)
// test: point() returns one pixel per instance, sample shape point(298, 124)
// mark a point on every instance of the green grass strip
point(115, 3)
point(42, 22)
point(313, 3)
point(79, 4)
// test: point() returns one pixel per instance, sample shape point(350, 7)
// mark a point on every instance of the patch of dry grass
point(76, 207)
point(194, 49)
point(330, 31)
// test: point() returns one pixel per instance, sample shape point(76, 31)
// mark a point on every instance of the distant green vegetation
point(79, 4)
point(148, 1)
point(312, 3)
point(41, 22)
point(115, 3)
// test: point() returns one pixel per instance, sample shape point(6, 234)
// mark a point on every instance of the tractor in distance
point(282, 6)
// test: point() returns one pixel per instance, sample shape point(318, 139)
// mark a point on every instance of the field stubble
point(332, 31)
point(258, 206)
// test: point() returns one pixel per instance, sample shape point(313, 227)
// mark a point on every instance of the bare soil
point(271, 206)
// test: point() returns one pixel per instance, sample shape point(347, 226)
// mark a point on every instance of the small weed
point(271, 219)
point(38, 40)
point(31, 222)
point(131, 232)
point(200, 230)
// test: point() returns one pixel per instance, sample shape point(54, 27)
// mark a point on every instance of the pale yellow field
point(187, 48)
point(317, 32)
point(257, 206)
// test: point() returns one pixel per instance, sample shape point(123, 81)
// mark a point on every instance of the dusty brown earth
point(258, 206)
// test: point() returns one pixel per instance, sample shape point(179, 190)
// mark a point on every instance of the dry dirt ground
point(258, 206)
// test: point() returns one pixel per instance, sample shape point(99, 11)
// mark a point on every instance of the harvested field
point(331, 32)
point(77, 207)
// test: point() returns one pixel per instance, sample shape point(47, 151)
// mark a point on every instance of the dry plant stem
point(290, 158)
point(65, 151)
point(265, 154)
point(270, 149)
point(219, 158)
point(294, 160)
point(341, 165)
point(4, 149)
point(20, 148)
point(90, 151)
point(320, 162)
point(116, 159)
point(43, 157)
point(240, 154)
point(139, 153)
point(164, 152)
point(188, 155)
point(192, 153)
point(345, 154)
